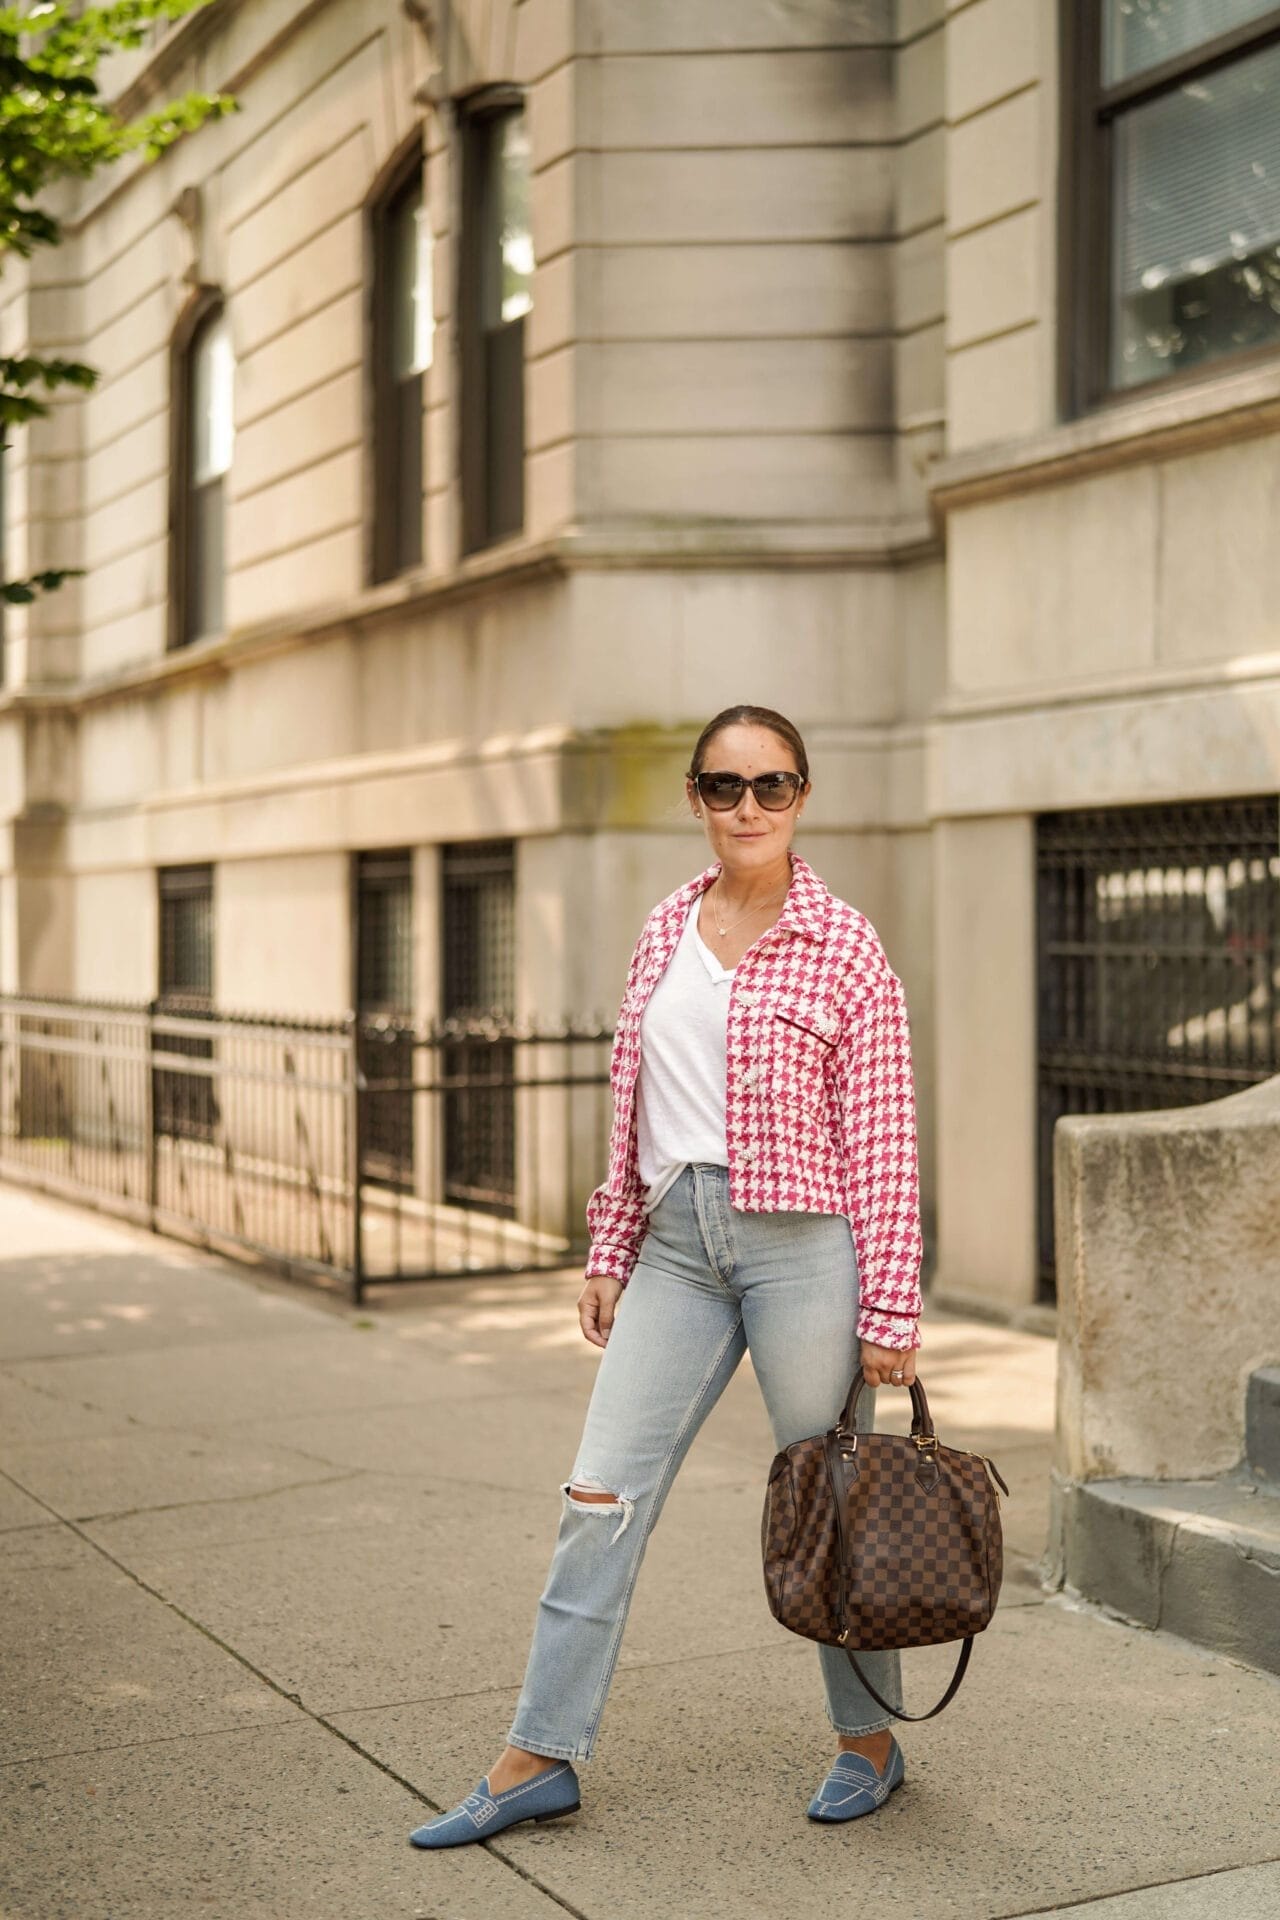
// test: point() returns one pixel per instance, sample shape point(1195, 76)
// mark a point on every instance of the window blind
point(1197, 177)
point(1138, 34)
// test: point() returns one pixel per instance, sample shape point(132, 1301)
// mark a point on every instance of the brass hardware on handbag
point(883, 1540)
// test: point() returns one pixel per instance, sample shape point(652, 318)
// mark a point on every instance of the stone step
point(1262, 1423)
point(1199, 1558)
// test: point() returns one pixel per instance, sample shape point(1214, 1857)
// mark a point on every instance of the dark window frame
point(386, 553)
point(385, 871)
point(1089, 113)
point(478, 1114)
point(384, 1020)
point(184, 1105)
point(492, 482)
point(205, 307)
point(176, 884)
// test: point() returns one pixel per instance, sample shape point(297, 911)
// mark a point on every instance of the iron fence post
point(149, 1115)
point(355, 1158)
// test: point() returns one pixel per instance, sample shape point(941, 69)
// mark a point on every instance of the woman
point(762, 1196)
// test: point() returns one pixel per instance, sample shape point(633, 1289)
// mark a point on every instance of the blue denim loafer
point(549, 1794)
point(854, 1787)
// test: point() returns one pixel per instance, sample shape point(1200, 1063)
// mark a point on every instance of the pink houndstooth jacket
point(819, 1102)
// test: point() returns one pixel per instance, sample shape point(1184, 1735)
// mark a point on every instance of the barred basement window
point(184, 1103)
point(478, 928)
point(1158, 962)
point(384, 1003)
point(186, 933)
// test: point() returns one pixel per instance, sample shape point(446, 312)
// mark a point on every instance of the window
point(478, 927)
point(402, 344)
point(204, 431)
point(184, 1103)
point(384, 932)
point(1158, 962)
point(496, 295)
point(1173, 219)
point(384, 1002)
point(186, 933)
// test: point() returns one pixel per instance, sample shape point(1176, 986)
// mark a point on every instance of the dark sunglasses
point(722, 791)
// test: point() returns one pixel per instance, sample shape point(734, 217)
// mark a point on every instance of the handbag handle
point(921, 1418)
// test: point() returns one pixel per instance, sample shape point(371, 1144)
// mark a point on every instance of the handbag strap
point(897, 1713)
point(842, 1532)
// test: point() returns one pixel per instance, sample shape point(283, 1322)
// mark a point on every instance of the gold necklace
point(724, 932)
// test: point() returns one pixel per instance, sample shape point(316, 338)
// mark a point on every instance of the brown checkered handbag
point(883, 1540)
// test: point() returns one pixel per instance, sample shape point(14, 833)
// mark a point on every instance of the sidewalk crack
point(317, 1718)
point(217, 1500)
point(1075, 1901)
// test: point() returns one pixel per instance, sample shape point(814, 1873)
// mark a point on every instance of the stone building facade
point(510, 384)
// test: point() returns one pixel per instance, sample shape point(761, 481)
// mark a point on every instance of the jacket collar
point(805, 910)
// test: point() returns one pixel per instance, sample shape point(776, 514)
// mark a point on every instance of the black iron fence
point(1158, 963)
point(357, 1152)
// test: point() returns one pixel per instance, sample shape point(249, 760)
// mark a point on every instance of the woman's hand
point(880, 1363)
point(596, 1305)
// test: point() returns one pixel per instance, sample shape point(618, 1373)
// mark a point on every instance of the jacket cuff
point(888, 1330)
point(617, 1263)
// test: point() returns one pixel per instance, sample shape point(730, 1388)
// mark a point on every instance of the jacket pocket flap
point(811, 1018)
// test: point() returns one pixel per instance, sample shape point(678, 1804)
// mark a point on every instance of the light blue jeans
point(711, 1284)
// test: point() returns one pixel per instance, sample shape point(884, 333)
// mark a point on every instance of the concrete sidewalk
point(270, 1568)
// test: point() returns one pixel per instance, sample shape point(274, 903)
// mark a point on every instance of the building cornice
point(1151, 684)
point(190, 36)
point(1192, 418)
point(186, 36)
point(514, 564)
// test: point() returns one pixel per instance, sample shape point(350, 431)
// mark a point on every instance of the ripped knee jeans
point(711, 1284)
point(597, 1496)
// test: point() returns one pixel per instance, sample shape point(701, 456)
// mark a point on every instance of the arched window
point(402, 344)
point(496, 272)
point(203, 460)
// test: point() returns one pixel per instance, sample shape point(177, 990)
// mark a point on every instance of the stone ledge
point(1199, 1558)
point(1185, 419)
point(606, 548)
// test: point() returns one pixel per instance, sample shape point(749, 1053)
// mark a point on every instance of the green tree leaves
point(56, 125)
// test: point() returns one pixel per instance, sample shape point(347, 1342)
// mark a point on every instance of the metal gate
point(274, 1167)
point(1157, 963)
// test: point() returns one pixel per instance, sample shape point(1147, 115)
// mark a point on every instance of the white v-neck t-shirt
point(680, 1092)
